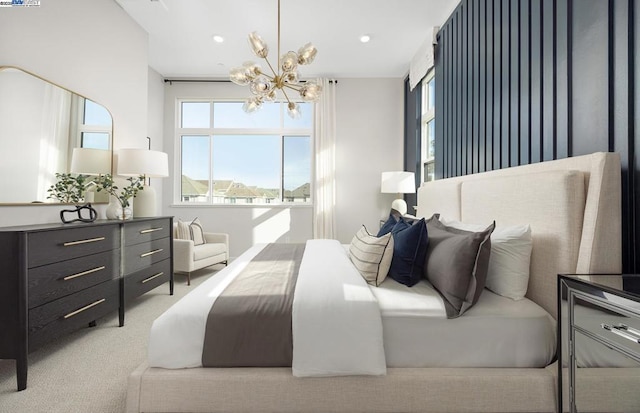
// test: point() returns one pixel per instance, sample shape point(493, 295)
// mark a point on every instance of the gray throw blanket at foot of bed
point(249, 324)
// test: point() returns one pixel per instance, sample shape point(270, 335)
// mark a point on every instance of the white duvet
point(337, 328)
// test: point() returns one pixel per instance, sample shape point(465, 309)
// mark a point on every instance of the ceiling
point(181, 34)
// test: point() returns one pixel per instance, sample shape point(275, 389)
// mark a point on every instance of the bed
point(573, 209)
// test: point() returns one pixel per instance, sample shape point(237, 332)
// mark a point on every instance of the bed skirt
point(425, 390)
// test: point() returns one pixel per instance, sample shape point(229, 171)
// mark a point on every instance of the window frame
point(212, 131)
point(428, 116)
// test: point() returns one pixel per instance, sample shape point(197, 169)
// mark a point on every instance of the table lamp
point(398, 182)
point(89, 161)
point(150, 164)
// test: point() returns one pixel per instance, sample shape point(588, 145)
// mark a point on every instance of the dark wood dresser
point(147, 248)
point(57, 278)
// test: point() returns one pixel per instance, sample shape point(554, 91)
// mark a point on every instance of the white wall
point(369, 141)
point(90, 47)
point(155, 126)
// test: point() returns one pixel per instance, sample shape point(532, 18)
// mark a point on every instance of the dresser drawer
point(145, 231)
point(49, 282)
point(69, 313)
point(146, 279)
point(46, 247)
point(143, 255)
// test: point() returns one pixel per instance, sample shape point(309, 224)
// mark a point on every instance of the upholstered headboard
point(573, 206)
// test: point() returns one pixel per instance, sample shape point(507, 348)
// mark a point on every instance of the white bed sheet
point(496, 332)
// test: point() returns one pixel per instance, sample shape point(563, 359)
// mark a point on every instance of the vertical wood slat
point(563, 101)
point(506, 83)
point(514, 78)
point(489, 102)
point(475, 125)
point(548, 144)
point(482, 86)
point(525, 84)
point(536, 82)
point(497, 84)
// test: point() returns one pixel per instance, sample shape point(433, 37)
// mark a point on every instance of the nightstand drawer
point(58, 317)
point(145, 231)
point(47, 247)
point(146, 279)
point(613, 319)
point(49, 282)
point(143, 255)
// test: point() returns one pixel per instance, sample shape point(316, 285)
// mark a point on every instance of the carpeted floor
point(86, 371)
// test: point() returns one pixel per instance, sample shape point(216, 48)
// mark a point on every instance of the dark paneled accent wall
point(524, 81)
point(412, 113)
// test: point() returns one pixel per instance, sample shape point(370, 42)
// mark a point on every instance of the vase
point(116, 211)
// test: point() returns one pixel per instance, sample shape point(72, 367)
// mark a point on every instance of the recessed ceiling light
point(217, 38)
point(365, 38)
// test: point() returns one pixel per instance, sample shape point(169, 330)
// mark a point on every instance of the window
point(229, 157)
point(95, 125)
point(428, 132)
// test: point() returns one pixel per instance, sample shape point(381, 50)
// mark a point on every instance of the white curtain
point(423, 60)
point(324, 225)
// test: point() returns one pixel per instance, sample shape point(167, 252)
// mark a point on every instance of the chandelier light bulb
point(291, 78)
point(306, 54)
point(260, 86)
point(293, 110)
point(238, 75)
point(310, 92)
point(258, 45)
point(289, 62)
point(252, 104)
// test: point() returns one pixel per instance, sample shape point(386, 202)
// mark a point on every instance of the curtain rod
point(170, 81)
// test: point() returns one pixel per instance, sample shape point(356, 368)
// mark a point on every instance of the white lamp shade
point(398, 182)
point(134, 162)
point(89, 161)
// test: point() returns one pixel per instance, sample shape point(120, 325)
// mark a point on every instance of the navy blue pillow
point(410, 242)
point(386, 228)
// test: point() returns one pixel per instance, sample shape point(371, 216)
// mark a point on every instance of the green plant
point(68, 188)
point(107, 184)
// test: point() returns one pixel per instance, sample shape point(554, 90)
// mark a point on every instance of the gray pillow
point(456, 264)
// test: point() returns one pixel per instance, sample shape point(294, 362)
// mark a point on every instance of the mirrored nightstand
point(598, 329)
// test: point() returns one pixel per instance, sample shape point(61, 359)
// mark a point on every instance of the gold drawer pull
point(84, 241)
point(80, 274)
point(152, 277)
point(86, 307)
point(146, 231)
point(146, 254)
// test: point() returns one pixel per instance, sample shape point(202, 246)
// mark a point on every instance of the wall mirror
point(40, 124)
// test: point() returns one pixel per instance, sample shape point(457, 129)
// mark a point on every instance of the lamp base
point(144, 204)
point(399, 205)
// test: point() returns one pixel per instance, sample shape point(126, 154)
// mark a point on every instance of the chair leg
point(188, 278)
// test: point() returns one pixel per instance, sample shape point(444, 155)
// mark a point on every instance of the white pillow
point(508, 273)
point(371, 255)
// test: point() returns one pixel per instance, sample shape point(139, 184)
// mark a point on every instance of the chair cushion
point(204, 251)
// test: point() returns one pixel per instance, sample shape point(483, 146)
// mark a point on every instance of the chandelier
point(285, 77)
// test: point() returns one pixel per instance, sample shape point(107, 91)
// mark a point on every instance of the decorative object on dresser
point(148, 164)
point(195, 249)
point(121, 210)
point(599, 328)
point(58, 278)
point(398, 182)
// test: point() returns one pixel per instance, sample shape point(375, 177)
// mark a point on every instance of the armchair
point(188, 257)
